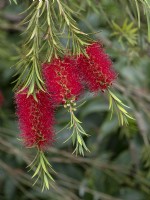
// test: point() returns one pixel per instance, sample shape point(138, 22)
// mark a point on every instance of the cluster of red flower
point(65, 80)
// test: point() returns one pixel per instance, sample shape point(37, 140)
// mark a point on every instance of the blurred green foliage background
point(118, 167)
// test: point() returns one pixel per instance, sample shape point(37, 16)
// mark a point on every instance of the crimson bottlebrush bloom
point(35, 119)
point(64, 85)
point(62, 80)
point(96, 69)
point(1, 99)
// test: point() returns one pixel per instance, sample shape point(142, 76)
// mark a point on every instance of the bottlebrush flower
point(1, 99)
point(35, 119)
point(98, 74)
point(62, 80)
point(96, 69)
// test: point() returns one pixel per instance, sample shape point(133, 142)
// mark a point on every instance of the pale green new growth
point(78, 38)
point(125, 32)
point(41, 167)
point(116, 104)
point(29, 66)
point(77, 134)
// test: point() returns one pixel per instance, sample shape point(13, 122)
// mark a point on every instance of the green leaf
point(37, 170)
point(41, 165)
point(77, 132)
point(15, 1)
point(121, 112)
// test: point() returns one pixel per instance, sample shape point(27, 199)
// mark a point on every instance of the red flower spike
point(62, 80)
point(64, 86)
point(35, 119)
point(96, 71)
